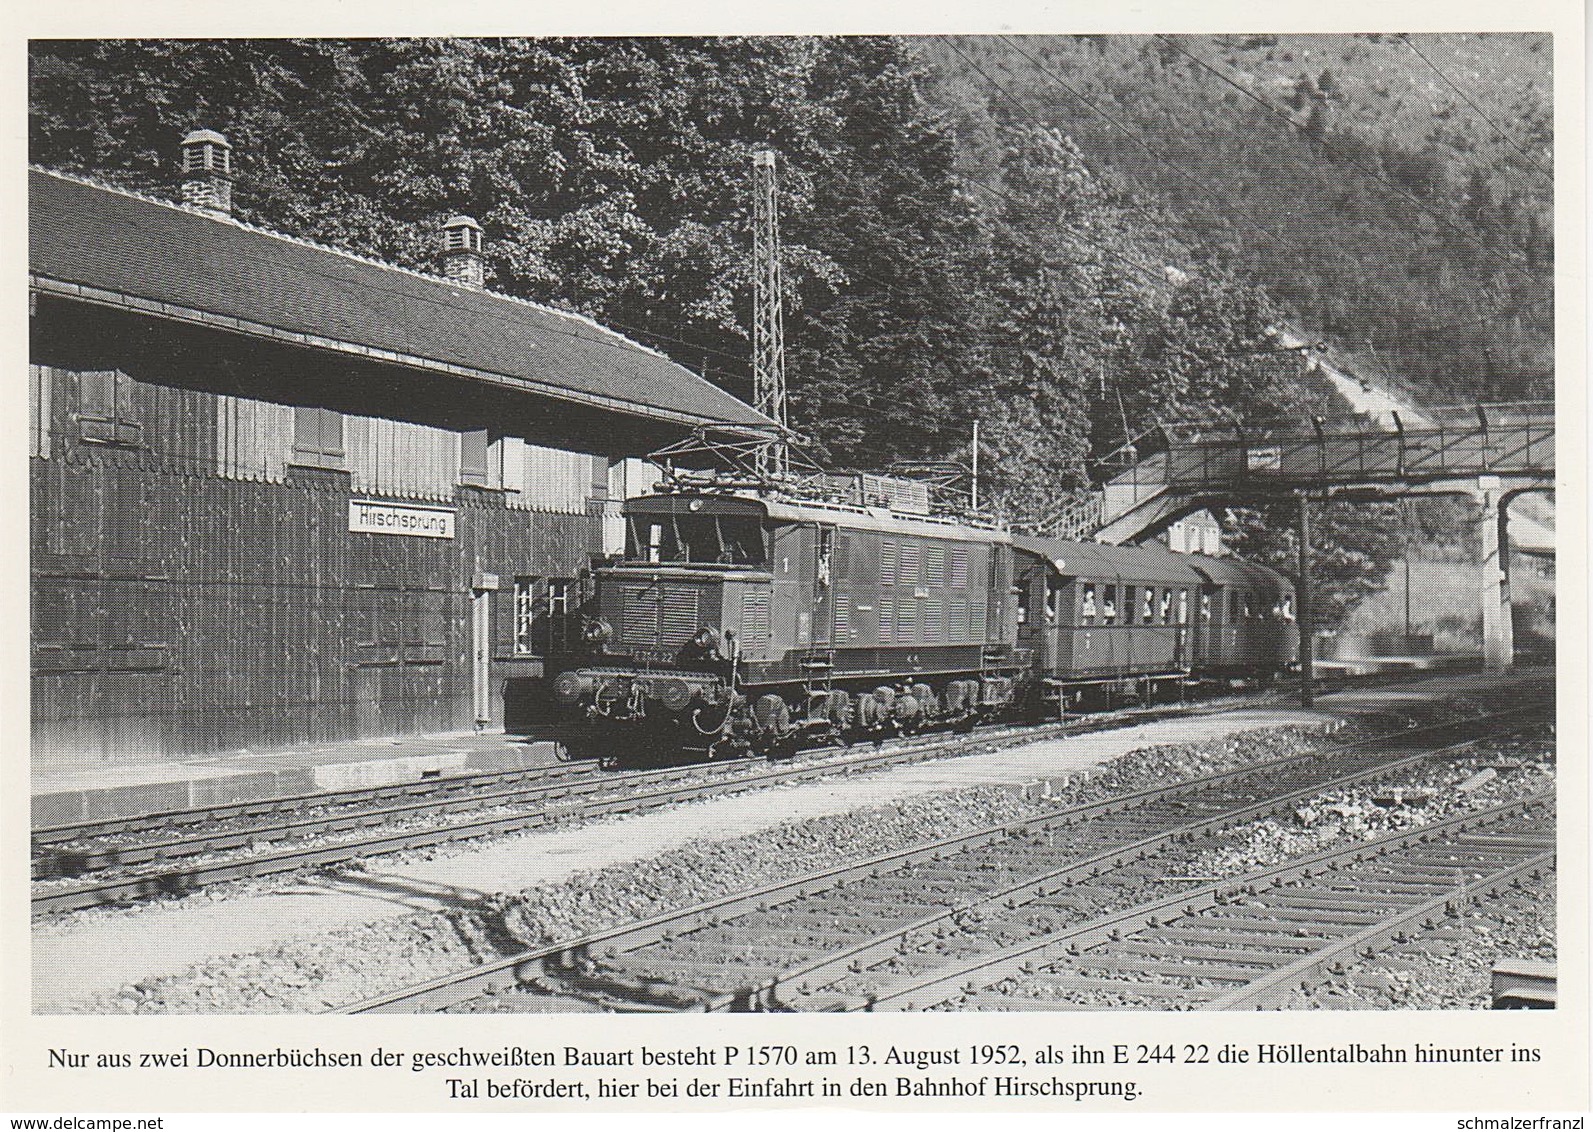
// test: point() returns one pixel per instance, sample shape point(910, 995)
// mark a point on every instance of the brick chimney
point(462, 261)
point(207, 172)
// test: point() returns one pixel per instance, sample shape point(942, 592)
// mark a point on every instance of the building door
point(481, 647)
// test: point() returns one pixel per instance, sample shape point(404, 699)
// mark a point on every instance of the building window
point(525, 616)
point(106, 414)
point(318, 438)
point(473, 458)
point(542, 610)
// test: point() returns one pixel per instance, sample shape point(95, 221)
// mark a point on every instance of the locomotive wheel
point(868, 713)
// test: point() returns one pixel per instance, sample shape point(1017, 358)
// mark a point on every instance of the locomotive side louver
point(959, 567)
point(679, 616)
point(640, 616)
point(661, 616)
point(755, 617)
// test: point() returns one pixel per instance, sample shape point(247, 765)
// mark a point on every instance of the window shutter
point(332, 435)
point(127, 430)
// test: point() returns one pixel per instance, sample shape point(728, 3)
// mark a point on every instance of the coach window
point(1288, 607)
point(1053, 598)
point(1205, 607)
point(1109, 606)
point(1183, 607)
point(1167, 606)
point(1147, 613)
point(1087, 606)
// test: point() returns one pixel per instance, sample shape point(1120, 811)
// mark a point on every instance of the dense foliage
point(952, 252)
point(1394, 196)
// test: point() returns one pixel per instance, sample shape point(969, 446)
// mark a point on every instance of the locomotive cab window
point(703, 539)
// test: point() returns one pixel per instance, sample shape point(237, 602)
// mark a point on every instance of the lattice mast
point(768, 330)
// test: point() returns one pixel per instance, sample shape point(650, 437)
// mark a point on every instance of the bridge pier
point(1493, 533)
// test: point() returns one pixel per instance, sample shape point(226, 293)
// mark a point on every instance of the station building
point(283, 494)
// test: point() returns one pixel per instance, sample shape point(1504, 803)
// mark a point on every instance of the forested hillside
point(613, 178)
point(964, 238)
point(1393, 193)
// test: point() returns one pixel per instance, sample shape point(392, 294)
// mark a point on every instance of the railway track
point(189, 849)
point(1253, 941)
point(778, 946)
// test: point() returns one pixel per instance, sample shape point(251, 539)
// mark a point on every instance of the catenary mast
point(768, 331)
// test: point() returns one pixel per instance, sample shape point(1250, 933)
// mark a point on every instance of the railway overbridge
point(1490, 454)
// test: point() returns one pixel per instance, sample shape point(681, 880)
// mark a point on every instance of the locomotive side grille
point(679, 623)
point(906, 620)
point(843, 618)
point(639, 619)
point(934, 619)
point(907, 565)
point(887, 563)
point(976, 627)
point(887, 619)
point(957, 619)
point(755, 617)
point(959, 567)
point(935, 566)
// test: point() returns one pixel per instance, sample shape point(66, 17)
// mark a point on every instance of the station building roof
point(99, 244)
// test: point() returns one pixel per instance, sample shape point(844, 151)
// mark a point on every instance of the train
point(741, 623)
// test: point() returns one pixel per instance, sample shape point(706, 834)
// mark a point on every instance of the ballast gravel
point(345, 966)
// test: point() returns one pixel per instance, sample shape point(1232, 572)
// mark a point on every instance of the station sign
point(367, 516)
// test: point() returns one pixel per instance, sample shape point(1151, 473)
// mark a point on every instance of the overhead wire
point(1277, 112)
point(1503, 136)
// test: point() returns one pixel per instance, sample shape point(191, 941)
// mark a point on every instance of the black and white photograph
point(796, 524)
point(821, 523)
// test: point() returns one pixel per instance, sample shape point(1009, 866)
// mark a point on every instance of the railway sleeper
point(1273, 913)
point(1370, 902)
point(1305, 935)
point(1091, 984)
point(1261, 957)
point(1135, 965)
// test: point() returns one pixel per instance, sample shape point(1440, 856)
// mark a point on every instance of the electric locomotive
point(738, 623)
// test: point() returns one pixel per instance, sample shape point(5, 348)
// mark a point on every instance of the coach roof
point(101, 244)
